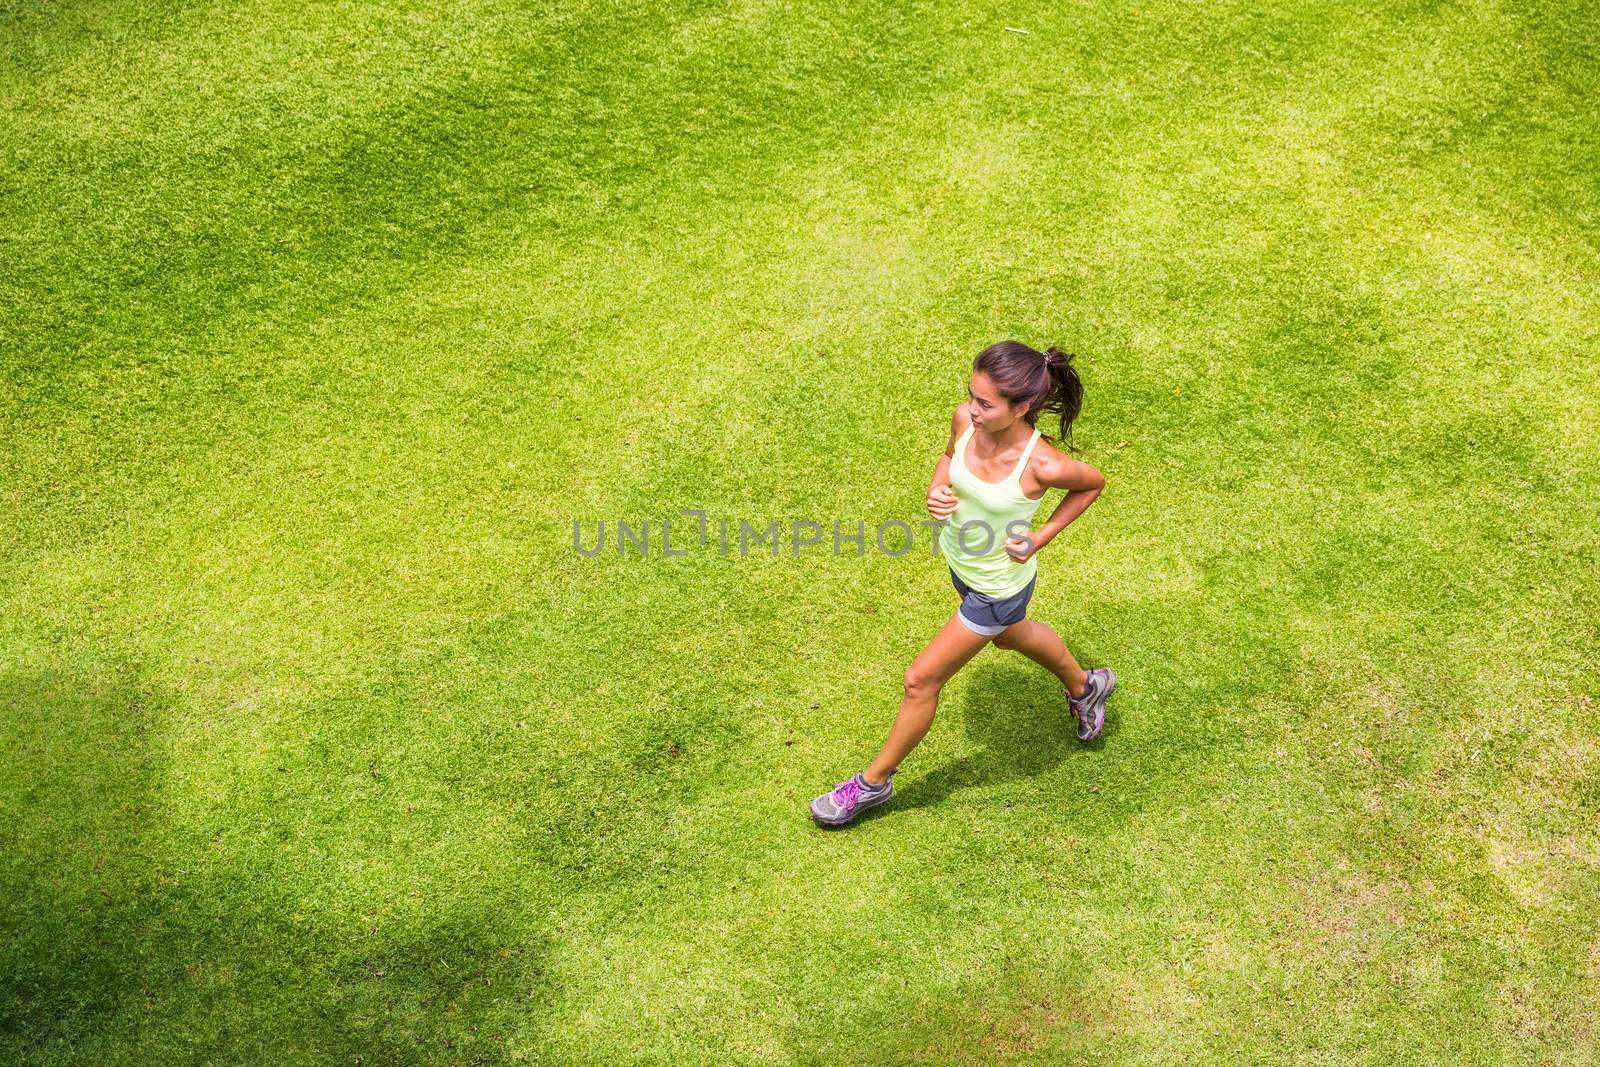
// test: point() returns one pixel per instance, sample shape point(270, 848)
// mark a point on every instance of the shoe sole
point(860, 807)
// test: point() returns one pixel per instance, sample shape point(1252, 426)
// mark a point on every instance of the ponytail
point(1065, 395)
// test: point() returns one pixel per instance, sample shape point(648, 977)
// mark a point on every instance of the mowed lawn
point(321, 326)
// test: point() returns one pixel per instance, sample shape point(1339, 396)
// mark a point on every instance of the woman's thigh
point(948, 652)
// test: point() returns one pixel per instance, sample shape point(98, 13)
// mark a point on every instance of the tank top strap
point(1022, 464)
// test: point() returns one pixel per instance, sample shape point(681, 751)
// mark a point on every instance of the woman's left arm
point(1083, 483)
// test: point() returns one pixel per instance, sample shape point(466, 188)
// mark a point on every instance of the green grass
point(320, 325)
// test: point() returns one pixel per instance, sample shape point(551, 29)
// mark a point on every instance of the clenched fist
point(941, 502)
point(1021, 549)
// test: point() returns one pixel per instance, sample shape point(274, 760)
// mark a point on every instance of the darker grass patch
point(81, 785)
point(123, 946)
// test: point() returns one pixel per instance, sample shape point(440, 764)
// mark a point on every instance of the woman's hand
point(1021, 549)
point(941, 502)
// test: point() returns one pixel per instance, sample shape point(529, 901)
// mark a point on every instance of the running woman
point(995, 470)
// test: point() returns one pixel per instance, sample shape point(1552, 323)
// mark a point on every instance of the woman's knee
point(919, 681)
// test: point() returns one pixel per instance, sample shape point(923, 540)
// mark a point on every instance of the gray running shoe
point(1090, 709)
point(848, 799)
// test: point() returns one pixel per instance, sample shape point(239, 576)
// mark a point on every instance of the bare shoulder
point(1046, 462)
point(1055, 468)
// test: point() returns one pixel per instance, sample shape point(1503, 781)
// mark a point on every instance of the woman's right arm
point(941, 498)
point(958, 425)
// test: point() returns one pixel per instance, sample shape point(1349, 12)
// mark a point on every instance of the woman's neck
point(1015, 434)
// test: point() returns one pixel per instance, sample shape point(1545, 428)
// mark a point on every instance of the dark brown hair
point(1041, 381)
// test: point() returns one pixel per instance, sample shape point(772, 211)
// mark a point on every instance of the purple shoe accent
point(1090, 709)
point(845, 795)
point(849, 799)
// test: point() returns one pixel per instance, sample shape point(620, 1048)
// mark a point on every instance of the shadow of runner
point(1013, 709)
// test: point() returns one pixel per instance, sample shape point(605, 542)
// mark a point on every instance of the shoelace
point(1080, 705)
point(847, 793)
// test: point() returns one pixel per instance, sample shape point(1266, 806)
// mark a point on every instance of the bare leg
point(935, 665)
point(1044, 646)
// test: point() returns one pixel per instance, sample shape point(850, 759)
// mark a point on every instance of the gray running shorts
point(987, 615)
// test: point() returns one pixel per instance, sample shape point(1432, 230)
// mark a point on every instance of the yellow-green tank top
point(986, 509)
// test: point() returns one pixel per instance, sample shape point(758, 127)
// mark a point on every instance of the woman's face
point(988, 409)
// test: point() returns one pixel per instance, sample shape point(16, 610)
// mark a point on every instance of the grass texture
point(323, 324)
